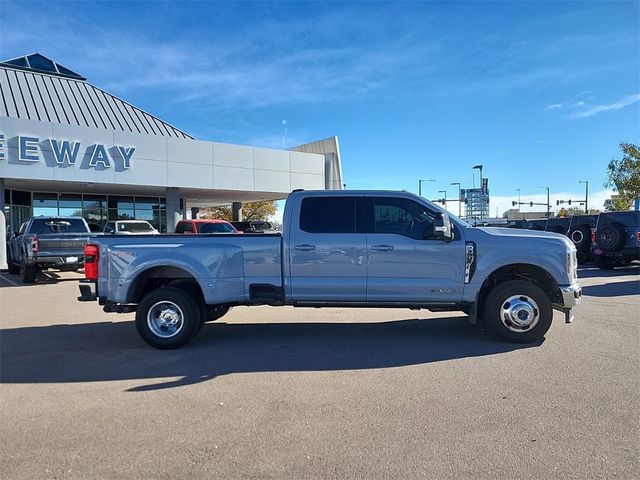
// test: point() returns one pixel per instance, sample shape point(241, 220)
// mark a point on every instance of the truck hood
point(516, 233)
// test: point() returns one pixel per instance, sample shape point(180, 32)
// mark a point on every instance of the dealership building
point(68, 147)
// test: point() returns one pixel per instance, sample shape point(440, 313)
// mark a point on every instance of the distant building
point(477, 201)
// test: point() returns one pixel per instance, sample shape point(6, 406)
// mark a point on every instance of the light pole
point(479, 167)
point(518, 190)
point(586, 195)
point(459, 199)
point(420, 184)
point(548, 204)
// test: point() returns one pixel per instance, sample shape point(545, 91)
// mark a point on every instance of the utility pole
point(479, 167)
point(420, 184)
point(518, 190)
point(445, 196)
point(548, 204)
point(586, 195)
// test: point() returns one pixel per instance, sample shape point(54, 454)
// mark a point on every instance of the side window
point(184, 227)
point(23, 227)
point(403, 217)
point(328, 215)
point(108, 228)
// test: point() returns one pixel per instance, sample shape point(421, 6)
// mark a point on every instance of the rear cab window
point(41, 226)
point(328, 215)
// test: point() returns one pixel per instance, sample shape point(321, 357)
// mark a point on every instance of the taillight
point(91, 257)
point(35, 245)
point(593, 235)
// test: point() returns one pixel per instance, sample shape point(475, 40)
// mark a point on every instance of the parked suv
point(617, 239)
point(204, 226)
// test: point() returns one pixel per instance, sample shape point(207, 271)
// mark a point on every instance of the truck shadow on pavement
point(612, 289)
point(112, 351)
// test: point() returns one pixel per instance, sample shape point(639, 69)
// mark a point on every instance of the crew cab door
point(326, 254)
point(406, 263)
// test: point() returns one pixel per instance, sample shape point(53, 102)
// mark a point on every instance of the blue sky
point(540, 93)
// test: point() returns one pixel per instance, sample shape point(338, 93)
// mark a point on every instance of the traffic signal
point(569, 202)
point(531, 204)
point(442, 201)
point(513, 204)
point(557, 202)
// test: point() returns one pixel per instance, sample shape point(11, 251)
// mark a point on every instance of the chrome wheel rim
point(577, 236)
point(165, 319)
point(519, 313)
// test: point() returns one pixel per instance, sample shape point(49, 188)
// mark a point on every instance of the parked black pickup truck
point(47, 242)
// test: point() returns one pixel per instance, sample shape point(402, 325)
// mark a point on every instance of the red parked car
point(205, 226)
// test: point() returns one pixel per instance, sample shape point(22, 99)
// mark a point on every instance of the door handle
point(382, 248)
point(304, 248)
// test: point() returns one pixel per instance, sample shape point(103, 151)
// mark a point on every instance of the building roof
point(37, 88)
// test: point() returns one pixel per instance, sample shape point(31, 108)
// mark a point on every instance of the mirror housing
point(442, 227)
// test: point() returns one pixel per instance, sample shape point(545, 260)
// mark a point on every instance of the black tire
point(610, 237)
point(214, 312)
point(580, 236)
point(28, 272)
point(178, 307)
point(14, 268)
point(533, 302)
point(603, 263)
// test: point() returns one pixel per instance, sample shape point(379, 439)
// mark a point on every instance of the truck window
point(216, 228)
point(328, 215)
point(401, 216)
point(184, 227)
point(41, 226)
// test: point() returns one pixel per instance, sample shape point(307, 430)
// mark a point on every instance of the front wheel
point(167, 317)
point(518, 311)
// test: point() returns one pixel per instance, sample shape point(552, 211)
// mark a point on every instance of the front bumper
point(571, 295)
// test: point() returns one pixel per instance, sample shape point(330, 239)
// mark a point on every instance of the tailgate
point(60, 245)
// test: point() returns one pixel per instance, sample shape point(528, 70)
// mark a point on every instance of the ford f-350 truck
point(339, 249)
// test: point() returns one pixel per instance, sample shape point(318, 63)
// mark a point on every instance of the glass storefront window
point(45, 204)
point(70, 205)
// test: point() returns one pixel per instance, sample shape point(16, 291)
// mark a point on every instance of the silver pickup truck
point(339, 249)
point(47, 242)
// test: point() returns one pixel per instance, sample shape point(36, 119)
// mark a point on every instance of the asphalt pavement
point(290, 393)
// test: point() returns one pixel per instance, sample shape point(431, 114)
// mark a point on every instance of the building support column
point(236, 211)
point(2, 195)
point(173, 208)
point(194, 212)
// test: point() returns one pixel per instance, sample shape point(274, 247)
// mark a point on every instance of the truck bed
point(223, 265)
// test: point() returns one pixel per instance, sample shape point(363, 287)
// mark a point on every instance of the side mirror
point(442, 227)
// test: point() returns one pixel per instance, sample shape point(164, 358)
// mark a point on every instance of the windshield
point(216, 228)
point(58, 225)
point(135, 227)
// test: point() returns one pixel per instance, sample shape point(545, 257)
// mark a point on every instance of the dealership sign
point(30, 149)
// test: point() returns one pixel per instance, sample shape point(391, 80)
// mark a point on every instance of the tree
point(624, 176)
point(250, 211)
point(571, 211)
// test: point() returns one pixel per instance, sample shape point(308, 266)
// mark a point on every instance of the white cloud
point(591, 110)
point(553, 106)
